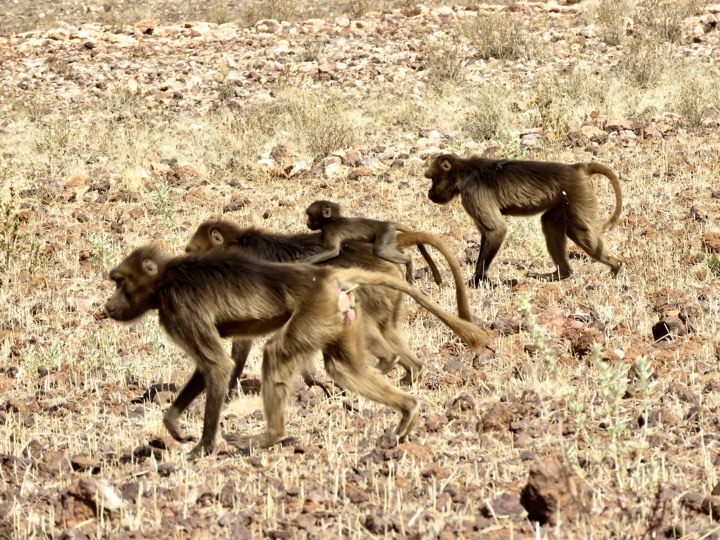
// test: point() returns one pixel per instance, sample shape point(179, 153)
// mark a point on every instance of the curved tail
point(475, 337)
point(417, 238)
point(599, 168)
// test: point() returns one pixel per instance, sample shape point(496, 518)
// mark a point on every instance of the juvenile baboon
point(383, 308)
point(325, 216)
point(491, 189)
point(203, 298)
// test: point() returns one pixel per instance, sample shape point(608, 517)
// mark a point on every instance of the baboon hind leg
point(591, 242)
point(554, 229)
point(345, 363)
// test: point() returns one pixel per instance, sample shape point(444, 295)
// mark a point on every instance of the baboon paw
point(615, 271)
point(407, 423)
point(411, 378)
point(176, 433)
point(200, 450)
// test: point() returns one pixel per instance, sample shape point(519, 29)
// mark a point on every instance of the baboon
point(383, 308)
point(491, 189)
point(325, 216)
point(203, 298)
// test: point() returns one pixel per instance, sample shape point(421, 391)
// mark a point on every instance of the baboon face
point(135, 280)
point(443, 188)
point(319, 212)
point(210, 235)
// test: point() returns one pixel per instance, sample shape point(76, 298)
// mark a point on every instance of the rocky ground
point(592, 414)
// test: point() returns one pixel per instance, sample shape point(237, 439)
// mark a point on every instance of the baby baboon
point(383, 308)
point(325, 216)
point(491, 189)
point(203, 298)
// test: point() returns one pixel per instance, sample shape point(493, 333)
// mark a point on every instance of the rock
point(506, 325)
point(554, 492)
point(504, 505)
point(84, 500)
point(582, 345)
point(668, 328)
point(268, 26)
point(85, 463)
point(498, 418)
point(711, 242)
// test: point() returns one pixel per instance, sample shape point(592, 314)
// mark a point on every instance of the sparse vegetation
point(499, 35)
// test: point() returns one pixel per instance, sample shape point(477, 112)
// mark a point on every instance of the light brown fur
point(383, 308)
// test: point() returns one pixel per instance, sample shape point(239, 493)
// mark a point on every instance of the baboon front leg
point(171, 419)
point(492, 239)
point(554, 229)
point(216, 381)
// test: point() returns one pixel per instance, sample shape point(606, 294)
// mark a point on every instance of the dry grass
point(68, 379)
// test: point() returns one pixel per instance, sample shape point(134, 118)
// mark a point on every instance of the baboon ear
point(216, 237)
point(150, 267)
point(327, 212)
point(445, 165)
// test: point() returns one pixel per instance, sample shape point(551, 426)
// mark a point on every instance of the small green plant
point(312, 49)
point(219, 15)
point(165, 202)
point(444, 65)
point(491, 118)
point(646, 62)
point(100, 252)
point(695, 94)
point(611, 15)
point(321, 125)
point(10, 238)
point(279, 10)
point(664, 20)
point(537, 336)
point(499, 35)
point(713, 263)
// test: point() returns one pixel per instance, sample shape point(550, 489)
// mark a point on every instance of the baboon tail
point(421, 248)
point(468, 332)
point(417, 238)
point(599, 168)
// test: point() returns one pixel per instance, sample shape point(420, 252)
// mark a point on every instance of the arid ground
point(593, 413)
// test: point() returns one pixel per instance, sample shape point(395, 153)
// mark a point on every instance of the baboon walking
point(203, 298)
point(490, 189)
point(326, 216)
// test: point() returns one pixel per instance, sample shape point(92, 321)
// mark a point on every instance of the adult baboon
point(325, 216)
point(491, 188)
point(203, 298)
point(383, 308)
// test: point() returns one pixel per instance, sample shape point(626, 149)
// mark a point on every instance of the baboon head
point(212, 235)
point(136, 280)
point(444, 179)
point(319, 212)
